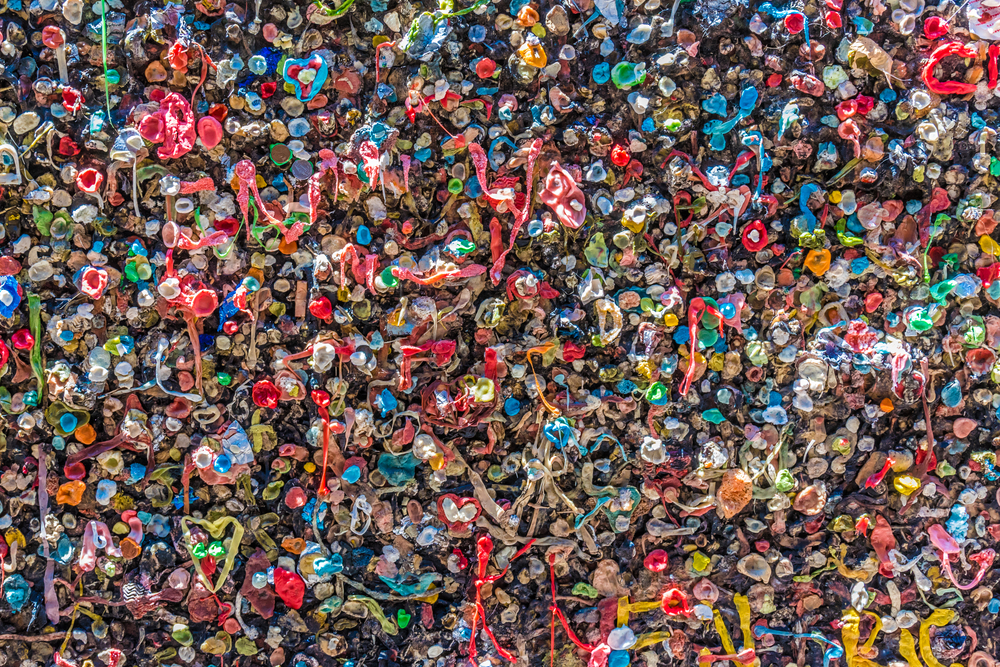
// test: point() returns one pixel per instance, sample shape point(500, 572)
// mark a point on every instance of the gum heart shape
point(217, 530)
point(290, 587)
point(403, 618)
point(210, 131)
point(307, 75)
point(457, 512)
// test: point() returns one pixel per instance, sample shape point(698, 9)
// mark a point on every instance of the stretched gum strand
point(558, 613)
point(697, 308)
point(35, 323)
point(48, 579)
point(542, 349)
point(834, 650)
point(850, 635)
point(324, 415)
point(548, 474)
point(907, 648)
point(484, 549)
point(720, 627)
point(985, 559)
point(601, 438)
point(582, 519)
point(650, 638)
point(900, 564)
point(160, 352)
point(873, 635)
point(479, 160)
point(742, 603)
point(857, 575)
point(587, 483)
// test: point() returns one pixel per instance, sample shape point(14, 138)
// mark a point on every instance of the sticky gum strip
point(907, 648)
point(831, 652)
point(542, 350)
point(625, 608)
point(216, 529)
point(720, 627)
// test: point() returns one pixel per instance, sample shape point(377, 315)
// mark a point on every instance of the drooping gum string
point(479, 160)
point(324, 414)
point(484, 548)
point(985, 560)
point(469, 271)
point(542, 349)
point(186, 481)
point(626, 608)
point(720, 627)
point(557, 613)
point(833, 651)
point(873, 635)
point(695, 311)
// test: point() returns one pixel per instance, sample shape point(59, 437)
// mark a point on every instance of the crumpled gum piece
point(560, 194)
point(179, 132)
